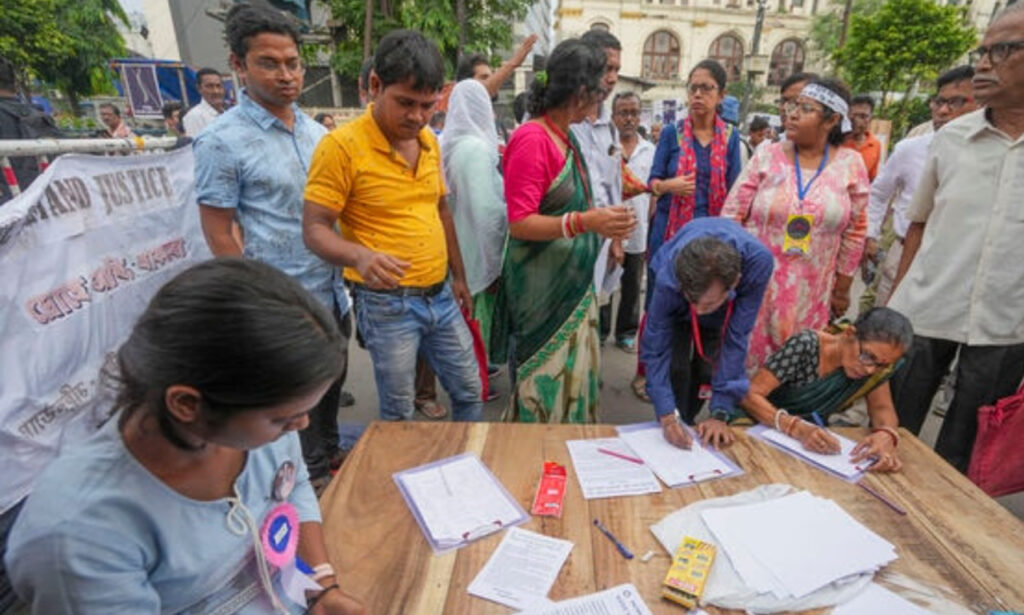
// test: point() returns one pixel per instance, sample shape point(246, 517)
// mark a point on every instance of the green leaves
point(487, 28)
point(902, 42)
point(66, 43)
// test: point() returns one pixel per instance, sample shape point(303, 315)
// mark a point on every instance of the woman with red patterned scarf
point(695, 165)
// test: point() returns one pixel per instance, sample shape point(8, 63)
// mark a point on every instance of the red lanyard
point(577, 159)
point(696, 331)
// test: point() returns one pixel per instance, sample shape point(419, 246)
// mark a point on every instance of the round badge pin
point(284, 482)
point(279, 534)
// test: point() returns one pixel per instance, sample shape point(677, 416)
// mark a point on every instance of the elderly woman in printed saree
point(551, 313)
point(806, 199)
point(818, 373)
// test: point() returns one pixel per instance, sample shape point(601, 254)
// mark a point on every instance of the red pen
point(620, 456)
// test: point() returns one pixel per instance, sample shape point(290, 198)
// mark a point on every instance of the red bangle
point(889, 431)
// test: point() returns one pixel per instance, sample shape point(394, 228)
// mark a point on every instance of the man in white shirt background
point(211, 88)
point(960, 280)
point(893, 188)
point(638, 155)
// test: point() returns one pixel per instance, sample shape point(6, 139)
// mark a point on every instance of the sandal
point(432, 410)
point(639, 385)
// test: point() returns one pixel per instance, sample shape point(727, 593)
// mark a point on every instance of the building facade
point(663, 39)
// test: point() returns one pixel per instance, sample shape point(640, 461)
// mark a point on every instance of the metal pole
point(185, 102)
point(755, 47)
point(45, 147)
point(9, 176)
point(847, 9)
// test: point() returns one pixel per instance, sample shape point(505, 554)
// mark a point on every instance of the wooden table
point(956, 543)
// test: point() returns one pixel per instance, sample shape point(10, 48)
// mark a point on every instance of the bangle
point(316, 598)
point(791, 429)
point(322, 572)
point(892, 433)
point(577, 218)
point(778, 415)
point(565, 227)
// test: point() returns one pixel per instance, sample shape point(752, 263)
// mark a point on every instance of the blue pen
point(626, 553)
point(817, 419)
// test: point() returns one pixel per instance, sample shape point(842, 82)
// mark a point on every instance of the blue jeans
point(395, 328)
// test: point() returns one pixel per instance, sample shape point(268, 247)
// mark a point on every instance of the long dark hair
point(242, 333)
point(573, 65)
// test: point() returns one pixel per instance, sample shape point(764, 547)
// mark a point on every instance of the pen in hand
point(626, 553)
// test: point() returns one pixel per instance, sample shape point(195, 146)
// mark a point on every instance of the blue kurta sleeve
point(730, 383)
point(656, 346)
point(733, 158)
point(662, 167)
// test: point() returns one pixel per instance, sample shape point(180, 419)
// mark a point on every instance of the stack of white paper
point(876, 599)
point(673, 465)
point(604, 469)
point(794, 545)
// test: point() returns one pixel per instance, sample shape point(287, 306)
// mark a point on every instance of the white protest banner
point(82, 251)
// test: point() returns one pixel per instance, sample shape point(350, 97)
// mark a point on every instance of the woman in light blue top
point(185, 500)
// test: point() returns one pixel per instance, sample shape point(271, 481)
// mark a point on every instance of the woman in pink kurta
point(817, 240)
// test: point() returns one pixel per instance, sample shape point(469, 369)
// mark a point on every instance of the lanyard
point(801, 189)
point(577, 158)
point(696, 330)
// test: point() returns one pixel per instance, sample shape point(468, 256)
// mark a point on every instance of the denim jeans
point(396, 328)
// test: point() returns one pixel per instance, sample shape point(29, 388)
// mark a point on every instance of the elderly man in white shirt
point(961, 281)
point(211, 88)
point(894, 186)
point(638, 155)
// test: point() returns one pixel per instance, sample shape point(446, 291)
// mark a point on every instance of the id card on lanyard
point(704, 392)
point(797, 238)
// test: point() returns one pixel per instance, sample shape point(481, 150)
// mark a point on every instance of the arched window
point(728, 50)
point(787, 58)
point(661, 57)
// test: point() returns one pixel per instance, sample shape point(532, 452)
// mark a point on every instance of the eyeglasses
point(860, 116)
point(294, 67)
point(703, 88)
point(867, 359)
point(791, 106)
point(627, 113)
point(953, 102)
point(996, 52)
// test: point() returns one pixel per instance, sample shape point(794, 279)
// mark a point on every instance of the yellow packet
point(685, 580)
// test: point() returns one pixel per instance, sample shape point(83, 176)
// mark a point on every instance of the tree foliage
point(904, 42)
point(827, 27)
point(66, 43)
point(487, 28)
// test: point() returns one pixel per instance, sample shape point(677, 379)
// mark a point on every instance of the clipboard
point(457, 500)
point(730, 468)
point(759, 432)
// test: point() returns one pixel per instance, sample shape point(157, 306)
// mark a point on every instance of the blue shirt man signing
point(712, 274)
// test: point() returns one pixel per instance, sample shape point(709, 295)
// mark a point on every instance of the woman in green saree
point(547, 295)
point(816, 373)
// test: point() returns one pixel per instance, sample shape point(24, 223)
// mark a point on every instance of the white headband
point(831, 100)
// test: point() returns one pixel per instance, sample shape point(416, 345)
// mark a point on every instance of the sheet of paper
point(603, 476)
point(828, 545)
point(874, 600)
point(673, 465)
point(618, 600)
point(522, 568)
point(839, 464)
point(459, 500)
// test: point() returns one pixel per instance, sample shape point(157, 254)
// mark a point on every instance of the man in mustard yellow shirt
point(379, 177)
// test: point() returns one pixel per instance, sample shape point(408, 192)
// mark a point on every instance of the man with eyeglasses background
point(251, 165)
point(895, 185)
point(862, 109)
point(960, 280)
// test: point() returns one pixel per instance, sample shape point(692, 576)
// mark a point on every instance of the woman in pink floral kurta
point(804, 286)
